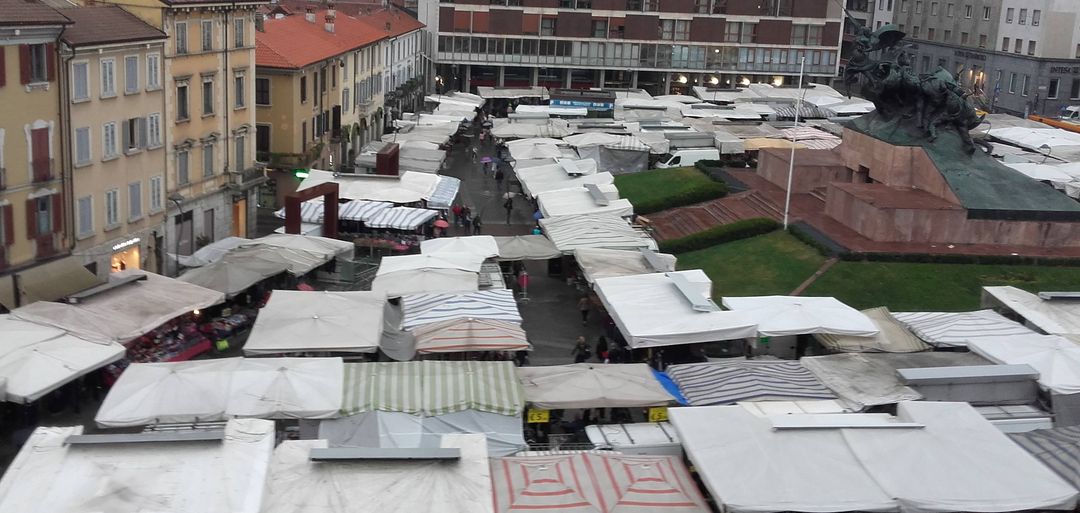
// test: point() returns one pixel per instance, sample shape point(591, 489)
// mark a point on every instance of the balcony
point(291, 160)
point(246, 179)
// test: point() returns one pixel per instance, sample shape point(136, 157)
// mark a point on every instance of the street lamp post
point(791, 161)
point(177, 198)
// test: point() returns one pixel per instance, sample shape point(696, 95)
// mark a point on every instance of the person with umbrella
point(440, 227)
point(487, 162)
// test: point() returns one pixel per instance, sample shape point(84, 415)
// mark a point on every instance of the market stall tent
point(317, 321)
point(1058, 316)
point(1057, 448)
point(526, 247)
point(470, 334)
point(797, 315)
point(605, 230)
point(596, 263)
point(286, 388)
point(209, 253)
point(431, 387)
point(579, 201)
point(52, 474)
point(37, 359)
point(483, 246)
point(954, 329)
point(390, 429)
point(236, 271)
point(732, 380)
point(1056, 358)
point(674, 308)
point(540, 179)
point(415, 274)
point(586, 385)
point(892, 337)
point(495, 304)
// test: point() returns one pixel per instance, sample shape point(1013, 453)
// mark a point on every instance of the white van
point(687, 157)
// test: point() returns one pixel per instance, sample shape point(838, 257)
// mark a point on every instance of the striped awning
point(459, 335)
point(495, 305)
point(729, 382)
point(591, 482)
point(361, 210)
point(892, 337)
point(401, 218)
point(1057, 448)
point(310, 212)
point(446, 189)
point(954, 329)
point(432, 387)
point(607, 231)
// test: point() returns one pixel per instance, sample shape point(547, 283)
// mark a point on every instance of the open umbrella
point(537, 215)
point(441, 223)
point(508, 195)
point(485, 160)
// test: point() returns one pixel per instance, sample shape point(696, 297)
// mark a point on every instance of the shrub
point(930, 258)
point(705, 192)
point(810, 240)
point(720, 234)
point(705, 165)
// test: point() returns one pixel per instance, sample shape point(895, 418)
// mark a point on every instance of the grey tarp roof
point(732, 380)
point(954, 329)
point(526, 247)
point(864, 379)
point(892, 337)
point(1057, 448)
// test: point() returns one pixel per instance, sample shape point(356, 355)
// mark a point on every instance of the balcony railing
point(292, 160)
point(247, 178)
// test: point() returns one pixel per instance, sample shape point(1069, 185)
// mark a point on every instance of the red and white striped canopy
point(470, 334)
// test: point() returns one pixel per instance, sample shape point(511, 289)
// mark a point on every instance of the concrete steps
point(683, 221)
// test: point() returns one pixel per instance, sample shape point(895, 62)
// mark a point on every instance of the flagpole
point(791, 161)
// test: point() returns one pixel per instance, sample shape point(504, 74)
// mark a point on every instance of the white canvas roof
point(650, 311)
point(603, 230)
point(552, 110)
point(309, 229)
point(1057, 359)
point(483, 246)
point(954, 329)
point(303, 253)
point(585, 385)
point(596, 263)
point(181, 477)
point(458, 261)
point(504, 433)
point(458, 335)
point(797, 315)
point(296, 484)
point(125, 313)
point(401, 218)
point(1056, 316)
point(526, 247)
point(210, 252)
point(410, 187)
point(731, 380)
point(36, 359)
point(506, 129)
point(296, 321)
point(950, 459)
point(892, 337)
point(237, 271)
point(540, 179)
point(213, 390)
point(578, 201)
point(423, 281)
point(487, 92)
point(533, 150)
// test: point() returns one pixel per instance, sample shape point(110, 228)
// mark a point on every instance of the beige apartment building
point(211, 179)
point(116, 102)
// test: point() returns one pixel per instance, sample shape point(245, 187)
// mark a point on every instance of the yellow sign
point(538, 416)
point(658, 414)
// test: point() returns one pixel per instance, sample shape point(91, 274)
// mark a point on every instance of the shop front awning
point(46, 282)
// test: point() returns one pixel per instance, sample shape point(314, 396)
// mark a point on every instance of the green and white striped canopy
point(432, 387)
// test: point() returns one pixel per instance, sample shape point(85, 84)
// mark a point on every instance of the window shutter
point(124, 135)
point(50, 61)
point(3, 77)
point(31, 219)
point(57, 212)
point(142, 132)
point(24, 64)
point(9, 225)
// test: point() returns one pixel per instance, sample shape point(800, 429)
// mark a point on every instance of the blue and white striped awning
point(446, 190)
point(401, 218)
point(728, 382)
point(361, 210)
point(310, 212)
point(495, 304)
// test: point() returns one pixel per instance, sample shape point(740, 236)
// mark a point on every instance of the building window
point(239, 91)
point(967, 11)
point(1024, 85)
point(153, 71)
point(239, 33)
point(930, 33)
point(1052, 88)
point(303, 89)
point(43, 215)
point(1004, 44)
point(915, 32)
point(1036, 17)
point(182, 161)
point(933, 8)
point(262, 138)
point(986, 13)
point(207, 35)
point(949, 9)
point(682, 30)
point(1074, 89)
point(134, 134)
point(108, 140)
point(547, 26)
point(345, 98)
point(86, 216)
point(108, 78)
point(1009, 15)
point(131, 74)
point(181, 38)
point(1022, 19)
point(80, 81)
point(1012, 83)
point(982, 40)
point(1019, 44)
point(918, 6)
point(112, 208)
point(1031, 47)
point(153, 130)
point(82, 146)
point(964, 38)
point(241, 152)
point(134, 201)
point(599, 28)
point(262, 91)
point(207, 96)
point(903, 5)
point(155, 194)
point(208, 160)
point(182, 111)
point(39, 63)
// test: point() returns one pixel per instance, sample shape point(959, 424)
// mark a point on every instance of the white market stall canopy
point(796, 315)
point(672, 308)
point(512, 93)
point(483, 246)
point(209, 253)
point(892, 337)
point(1056, 358)
point(732, 380)
point(510, 129)
point(609, 231)
point(526, 247)
point(432, 388)
point(608, 263)
point(457, 261)
point(581, 201)
point(324, 249)
point(401, 218)
point(426, 280)
point(495, 305)
point(37, 359)
point(602, 482)
point(552, 110)
point(460, 335)
point(311, 211)
point(307, 229)
point(954, 329)
point(586, 385)
point(238, 270)
point(620, 142)
point(391, 429)
point(296, 321)
point(52, 474)
point(297, 484)
point(541, 179)
point(214, 390)
point(409, 187)
point(1059, 316)
point(126, 312)
point(932, 457)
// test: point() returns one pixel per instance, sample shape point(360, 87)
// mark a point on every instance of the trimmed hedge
point(929, 258)
point(705, 165)
point(809, 240)
point(720, 234)
point(710, 191)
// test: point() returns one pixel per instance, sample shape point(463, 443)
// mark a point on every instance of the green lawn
point(769, 264)
point(932, 287)
point(661, 189)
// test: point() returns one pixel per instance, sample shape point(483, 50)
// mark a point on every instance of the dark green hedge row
point(710, 191)
point(927, 258)
point(809, 240)
point(720, 234)
point(705, 165)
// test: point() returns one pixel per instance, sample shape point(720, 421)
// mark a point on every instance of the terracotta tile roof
point(293, 42)
point(399, 21)
point(106, 24)
point(199, 2)
point(29, 12)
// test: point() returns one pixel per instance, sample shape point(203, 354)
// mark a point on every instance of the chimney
point(388, 26)
point(330, 11)
point(309, 14)
point(330, 22)
point(259, 23)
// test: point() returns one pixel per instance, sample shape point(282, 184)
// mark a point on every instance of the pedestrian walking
point(581, 351)
point(583, 305)
point(466, 214)
point(602, 349)
point(456, 210)
point(509, 206)
point(475, 154)
point(476, 224)
point(499, 176)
